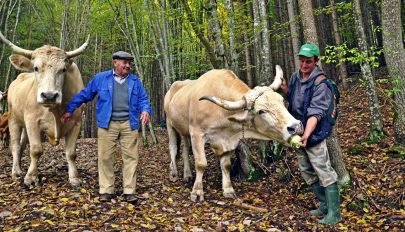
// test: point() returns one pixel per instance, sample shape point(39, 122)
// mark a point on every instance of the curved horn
point(15, 48)
point(228, 105)
point(277, 78)
point(79, 50)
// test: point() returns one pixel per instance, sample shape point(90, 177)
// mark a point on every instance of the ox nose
point(296, 129)
point(49, 96)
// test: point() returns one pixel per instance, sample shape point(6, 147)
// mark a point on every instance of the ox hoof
point(230, 195)
point(188, 178)
point(194, 197)
point(30, 181)
point(15, 175)
point(173, 178)
point(30, 185)
point(75, 183)
point(76, 186)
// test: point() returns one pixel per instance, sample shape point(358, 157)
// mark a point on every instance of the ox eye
point(261, 112)
point(36, 69)
point(64, 70)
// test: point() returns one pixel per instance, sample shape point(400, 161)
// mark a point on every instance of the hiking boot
point(320, 195)
point(106, 197)
point(131, 198)
point(332, 201)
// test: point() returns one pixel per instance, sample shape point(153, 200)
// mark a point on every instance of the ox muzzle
point(296, 128)
point(49, 97)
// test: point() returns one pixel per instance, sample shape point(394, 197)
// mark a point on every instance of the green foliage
point(396, 152)
point(355, 149)
point(396, 82)
point(342, 53)
point(375, 136)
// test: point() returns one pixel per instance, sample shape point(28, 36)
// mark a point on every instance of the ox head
point(263, 109)
point(49, 65)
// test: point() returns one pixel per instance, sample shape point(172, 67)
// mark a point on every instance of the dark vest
point(120, 104)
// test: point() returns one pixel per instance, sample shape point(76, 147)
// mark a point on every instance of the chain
point(243, 131)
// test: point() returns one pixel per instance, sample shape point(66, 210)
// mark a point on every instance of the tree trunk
point(376, 132)
point(308, 21)
point(294, 32)
point(395, 57)
point(257, 40)
point(64, 25)
point(215, 26)
point(232, 38)
point(8, 76)
point(200, 34)
point(336, 158)
point(249, 76)
point(338, 41)
point(7, 13)
point(266, 70)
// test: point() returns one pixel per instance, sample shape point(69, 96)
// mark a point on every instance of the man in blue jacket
point(308, 101)
point(121, 98)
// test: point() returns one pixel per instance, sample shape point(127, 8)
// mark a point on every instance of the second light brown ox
point(238, 112)
point(36, 100)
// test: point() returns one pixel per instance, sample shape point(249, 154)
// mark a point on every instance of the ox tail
point(178, 142)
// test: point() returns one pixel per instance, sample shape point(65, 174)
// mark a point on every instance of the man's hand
point(309, 128)
point(284, 86)
point(65, 117)
point(145, 118)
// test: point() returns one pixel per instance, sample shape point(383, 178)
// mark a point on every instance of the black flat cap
point(121, 55)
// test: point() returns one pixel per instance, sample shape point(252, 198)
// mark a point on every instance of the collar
point(118, 76)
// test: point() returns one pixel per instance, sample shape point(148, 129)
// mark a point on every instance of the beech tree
point(376, 131)
point(395, 57)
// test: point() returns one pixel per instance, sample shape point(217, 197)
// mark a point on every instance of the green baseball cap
point(309, 50)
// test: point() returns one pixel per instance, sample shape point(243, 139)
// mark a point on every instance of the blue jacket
point(102, 85)
point(307, 99)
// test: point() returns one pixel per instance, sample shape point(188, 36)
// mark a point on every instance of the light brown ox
point(37, 99)
point(257, 113)
point(4, 132)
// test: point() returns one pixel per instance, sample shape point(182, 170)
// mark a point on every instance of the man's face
point(122, 67)
point(307, 65)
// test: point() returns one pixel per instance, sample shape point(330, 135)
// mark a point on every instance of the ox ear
point(68, 63)
point(21, 63)
point(241, 117)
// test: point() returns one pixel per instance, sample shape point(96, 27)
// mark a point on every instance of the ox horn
point(78, 51)
point(15, 48)
point(228, 105)
point(277, 78)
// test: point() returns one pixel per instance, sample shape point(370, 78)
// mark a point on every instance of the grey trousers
point(315, 165)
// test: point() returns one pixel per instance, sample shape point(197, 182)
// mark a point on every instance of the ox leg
point(187, 176)
point(225, 161)
point(70, 150)
point(200, 165)
point(32, 174)
point(173, 149)
point(16, 148)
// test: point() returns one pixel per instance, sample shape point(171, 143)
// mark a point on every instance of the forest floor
point(280, 201)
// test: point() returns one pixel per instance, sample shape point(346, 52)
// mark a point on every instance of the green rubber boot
point(332, 201)
point(320, 195)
